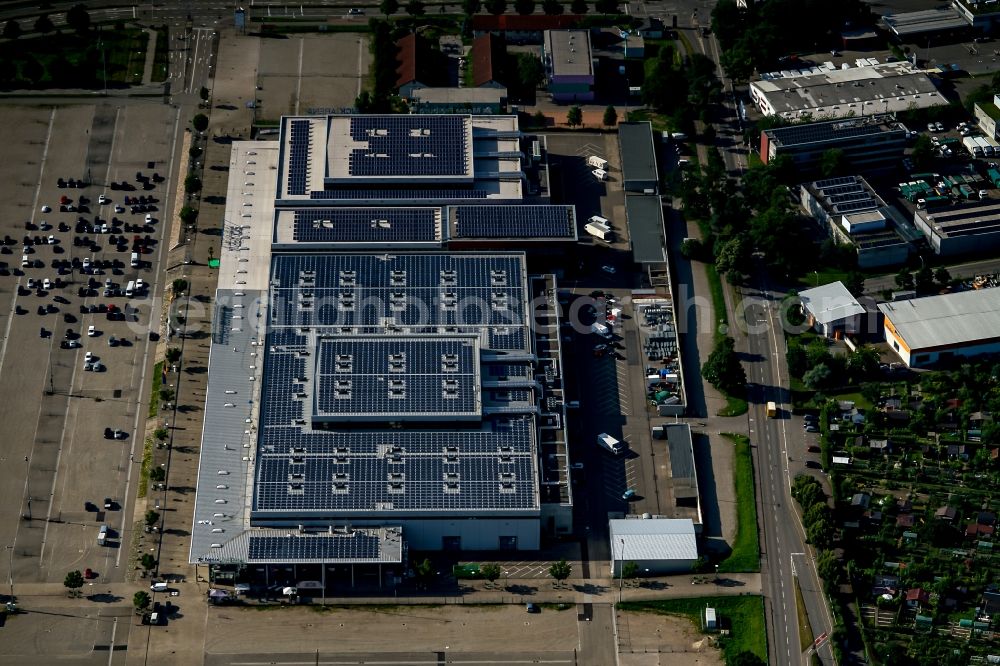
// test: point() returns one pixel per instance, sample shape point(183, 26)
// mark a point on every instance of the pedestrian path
point(147, 70)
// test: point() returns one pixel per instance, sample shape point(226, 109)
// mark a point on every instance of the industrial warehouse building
point(658, 546)
point(924, 331)
point(832, 310)
point(827, 92)
point(967, 228)
point(638, 157)
point(869, 144)
point(852, 213)
point(569, 65)
point(370, 392)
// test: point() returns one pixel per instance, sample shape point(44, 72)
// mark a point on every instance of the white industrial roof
point(949, 319)
point(829, 303)
point(653, 539)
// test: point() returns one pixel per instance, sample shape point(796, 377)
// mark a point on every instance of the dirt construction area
point(648, 639)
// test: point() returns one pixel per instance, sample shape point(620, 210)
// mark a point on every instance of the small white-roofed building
point(927, 330)
point(832, 310)
point(657, 545)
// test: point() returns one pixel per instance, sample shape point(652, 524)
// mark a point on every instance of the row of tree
point(817, 518)
point(723, 369)
point(757, 36)
point(499, 7)
point(677, 86)
point(77, 18)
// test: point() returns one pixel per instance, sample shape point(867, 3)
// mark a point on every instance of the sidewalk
point(510, 591)
point(147, 70)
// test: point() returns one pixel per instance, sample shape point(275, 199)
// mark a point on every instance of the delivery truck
point(610, 443)
point(772, 409)
point(599, 230)
point(972, 146)
point(597, 162)
point(601, 329)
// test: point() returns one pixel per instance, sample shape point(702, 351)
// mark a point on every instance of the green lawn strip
point(154, 395)
point(147, 461)
point(805, 631)
point(718, 300)
point(745, 555)
point(734, 407)
point(743, 616)
point(161, 59)
point(820, 277)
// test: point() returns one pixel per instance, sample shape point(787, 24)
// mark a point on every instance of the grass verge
point(147, 461)
point(161, 57)
point(734, 407)
point(805, 631)
point(154, 395)
point(745, 555)
point(743, 616)
point(718, 300)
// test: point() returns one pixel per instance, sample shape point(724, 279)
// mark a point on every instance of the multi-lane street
point(778, 445)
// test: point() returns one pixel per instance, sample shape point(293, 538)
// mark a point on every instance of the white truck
point(972, 146)
point(599, 230)
point(985, 146)
point(597, 162)
point(610, 443)
point(601, 329)
point(993, 146)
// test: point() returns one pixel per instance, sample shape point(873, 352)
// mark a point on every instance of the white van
point(130, 289)
point(135, 260)
point(25, 262)
point(600, 174)
point(159, 586)
point(683, 162)
point(679, 136)
point(599, 220)
point(102, 535)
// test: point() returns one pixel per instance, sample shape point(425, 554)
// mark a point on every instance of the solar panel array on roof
point(298, 156)
point(294, 547)
point(409, 146)
point(412, 194)
point(815, 132)
point(387, 377)
point(487, 466)
point(370, 471)
point(330, 225)
point(439, 293)
point(514, 222)
point(834, 182)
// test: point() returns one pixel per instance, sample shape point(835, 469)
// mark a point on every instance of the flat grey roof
point(225, 467)
point(653, 539)
point(644, 213)
point(928, 20)
point(830, 302)
point(637, 152)
point(861, 91)
point(959, 318)
point(569, 52)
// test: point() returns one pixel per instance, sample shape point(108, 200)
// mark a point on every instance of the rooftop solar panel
point(294, 547)
point(322, 332)
point(409, 146)
point(298, 156)
point(388, 378)
point(412, 194)
point(334, 225)
point(514, 222)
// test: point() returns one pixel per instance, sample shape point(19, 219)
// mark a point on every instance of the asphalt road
point(875, 286)
point(784, 551)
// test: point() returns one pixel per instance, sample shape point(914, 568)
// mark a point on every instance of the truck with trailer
point(610, 443)
point(972, 146)
point(599, 230)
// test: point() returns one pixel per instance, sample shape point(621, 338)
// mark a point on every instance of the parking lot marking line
point(55, 473)
point(298, 80)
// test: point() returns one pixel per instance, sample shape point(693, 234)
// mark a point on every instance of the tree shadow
point(589, 588)
point(522, 590)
